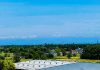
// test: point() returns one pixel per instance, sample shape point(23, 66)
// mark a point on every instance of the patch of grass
point(2, 54)
point(88, 60)
point(23, 60)
point(76, 59)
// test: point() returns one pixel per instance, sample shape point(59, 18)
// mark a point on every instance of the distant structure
point(53, 52)
point(74, 52)
point(79, 50)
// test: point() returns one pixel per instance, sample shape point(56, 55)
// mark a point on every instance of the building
point(79, 50)
point(74, 52)
point(53, 52)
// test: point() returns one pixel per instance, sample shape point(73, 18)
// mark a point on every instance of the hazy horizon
point(49, 40)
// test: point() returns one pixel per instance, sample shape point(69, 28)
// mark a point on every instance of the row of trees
point(44, 52)
point(38, 51)
point(91, 52)
point(7, 65)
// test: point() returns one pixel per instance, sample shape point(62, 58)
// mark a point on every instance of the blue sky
point(49, 18)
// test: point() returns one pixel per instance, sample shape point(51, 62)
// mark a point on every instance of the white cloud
point(18, 37)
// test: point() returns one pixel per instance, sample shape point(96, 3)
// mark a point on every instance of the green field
point(76, 59)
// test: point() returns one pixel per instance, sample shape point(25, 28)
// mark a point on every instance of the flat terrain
point(76, 59)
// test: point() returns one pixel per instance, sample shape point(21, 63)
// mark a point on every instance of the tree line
point(39, 51)
point(14, 53)
point(91, 52)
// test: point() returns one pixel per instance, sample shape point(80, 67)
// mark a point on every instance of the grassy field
point(76, 59)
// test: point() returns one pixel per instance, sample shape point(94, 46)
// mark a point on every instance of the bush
point(16, 59)
point(50, 56)
point(7, 65)
point(91, 52)
point(69, 55)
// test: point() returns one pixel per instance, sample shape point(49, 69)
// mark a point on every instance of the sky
point(49, 18)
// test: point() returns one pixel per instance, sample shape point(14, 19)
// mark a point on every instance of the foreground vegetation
point(75, 59)
point(69, 52)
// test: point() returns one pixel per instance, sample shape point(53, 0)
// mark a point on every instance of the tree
point(16, 58)
point(1, 64)
point(58, 50)
point(69, 55)
point(8, 65)
point(91, 52)
point(43, 57)
point(50, 56)
point(2, 57)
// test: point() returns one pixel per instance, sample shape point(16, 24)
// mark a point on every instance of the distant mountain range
point(56, 40)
